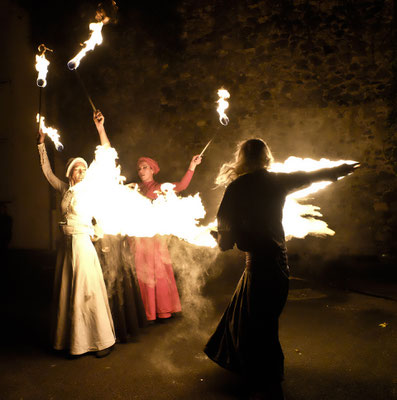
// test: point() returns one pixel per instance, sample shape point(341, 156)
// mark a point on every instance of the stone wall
point(311, 78)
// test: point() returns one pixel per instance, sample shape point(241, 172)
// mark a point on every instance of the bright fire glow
point(51, 132)
point(95, 38)
point(222, 106)
point(300, 220)
point(121, 210)
point(42, 68)
point(118, 209)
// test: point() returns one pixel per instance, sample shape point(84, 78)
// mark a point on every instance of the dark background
point(312, 79)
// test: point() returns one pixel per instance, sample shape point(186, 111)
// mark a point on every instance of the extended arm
point(185, 181)
point(99, 121)
point(54, 181)
point(332, 174)
point(299, 179)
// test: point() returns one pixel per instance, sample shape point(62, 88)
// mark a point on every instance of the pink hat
point(152, 164)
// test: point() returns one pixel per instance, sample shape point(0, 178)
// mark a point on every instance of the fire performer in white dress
point(82, 320)
point(246, 340)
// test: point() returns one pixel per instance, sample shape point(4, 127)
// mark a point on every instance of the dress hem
point(99, 347)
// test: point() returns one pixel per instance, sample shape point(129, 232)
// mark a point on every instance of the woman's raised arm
point(185, 181)
point(53, 180)
point(99, 121)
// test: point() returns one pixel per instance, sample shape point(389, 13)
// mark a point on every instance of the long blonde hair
point(251, 155)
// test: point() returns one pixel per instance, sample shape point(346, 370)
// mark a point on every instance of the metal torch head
point(41, 83)
point(72, 65)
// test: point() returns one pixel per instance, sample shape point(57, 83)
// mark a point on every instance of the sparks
point(222, 106)
point(51, 132)
point(95, 39)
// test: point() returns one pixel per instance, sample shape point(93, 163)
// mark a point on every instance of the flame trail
point(222, 106)
point(300, 220)
point(95, 39)
point(51, 132)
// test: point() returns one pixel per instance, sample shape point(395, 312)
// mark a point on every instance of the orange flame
point(300, 220)
point(121, 210)
point(51, 132)
point(42, 67)
point(95, 39)
point(118, 209)
point(223, 105)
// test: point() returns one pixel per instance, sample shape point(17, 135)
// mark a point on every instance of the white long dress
point(82, 320)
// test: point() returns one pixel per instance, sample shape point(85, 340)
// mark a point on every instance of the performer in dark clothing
point(122, 287)
point(250, 215)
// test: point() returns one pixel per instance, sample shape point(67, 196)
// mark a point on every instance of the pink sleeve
point(184, 183)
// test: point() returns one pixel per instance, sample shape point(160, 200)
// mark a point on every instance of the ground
point(338, 344)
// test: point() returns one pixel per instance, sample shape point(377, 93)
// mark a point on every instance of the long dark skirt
point(122, 287)
point(246, 340)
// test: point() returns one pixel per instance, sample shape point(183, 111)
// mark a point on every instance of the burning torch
point(52, 133)
point(95, 39)
point(222, 106)
point(42, 68)
point(106, 11)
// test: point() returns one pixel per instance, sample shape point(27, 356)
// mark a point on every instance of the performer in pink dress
point(152, 259)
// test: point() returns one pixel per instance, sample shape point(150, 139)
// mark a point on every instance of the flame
point(95, 39)
point(119, 209)
point(51, 132)
point(222, 106)
point(42, 68)
point(300, 220)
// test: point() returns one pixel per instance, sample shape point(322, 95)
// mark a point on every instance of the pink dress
point(153, 263)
